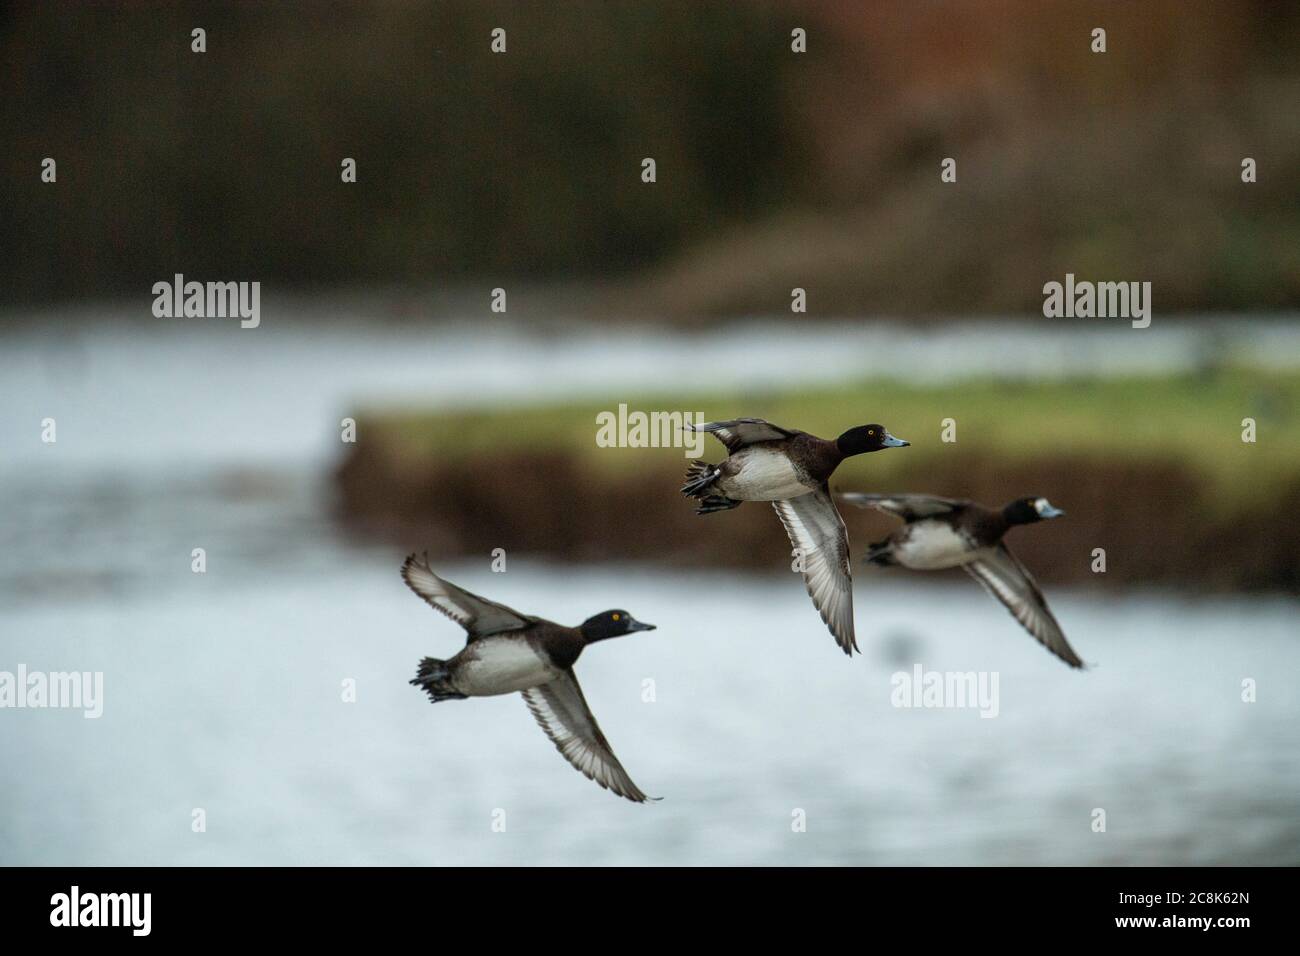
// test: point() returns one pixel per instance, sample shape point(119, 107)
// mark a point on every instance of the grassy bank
point(1152, 469)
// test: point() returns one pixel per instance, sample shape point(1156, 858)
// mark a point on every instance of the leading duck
point(943, 533)
point(791, 469)
point(506, 651)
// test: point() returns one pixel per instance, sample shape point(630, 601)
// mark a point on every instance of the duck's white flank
point(765, 474)
point(932, 545)
point(502, 665)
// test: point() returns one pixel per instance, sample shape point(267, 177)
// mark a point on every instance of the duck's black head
point(865, 438)
point(608, 624)
point(1029, 510)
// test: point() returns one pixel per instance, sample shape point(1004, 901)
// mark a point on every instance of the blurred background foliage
point(775, 169)
point(1161, 488)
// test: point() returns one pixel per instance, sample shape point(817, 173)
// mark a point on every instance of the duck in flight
point(791, 469)
point(949, 533)
point(506, 651)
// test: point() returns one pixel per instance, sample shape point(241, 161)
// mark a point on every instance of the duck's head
point(1029, 510)
point(865, 438)
point(608, 624)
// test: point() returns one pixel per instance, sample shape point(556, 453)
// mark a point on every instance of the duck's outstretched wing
point(562, 712)
point(479, 616)
point(817, 530)
point(740, 432)
point(1010, 582)
point(907, 507)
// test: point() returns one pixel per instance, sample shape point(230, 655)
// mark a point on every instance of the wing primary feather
point(477, 615)
point(562, 712)
point(1003, 575)
point(816, 529)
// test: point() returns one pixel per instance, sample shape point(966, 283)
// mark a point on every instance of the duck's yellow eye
point(616, 617)
point(871, 431)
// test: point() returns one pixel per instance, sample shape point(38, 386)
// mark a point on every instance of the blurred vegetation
point(1114, 419)
point(1152, 468)
point(775, 169)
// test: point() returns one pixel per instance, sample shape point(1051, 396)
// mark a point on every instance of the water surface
point(223, 690)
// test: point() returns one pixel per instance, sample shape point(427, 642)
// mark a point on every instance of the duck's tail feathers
point(699, 476)
point(434, 679)
point(716, 503)
point(881, 553)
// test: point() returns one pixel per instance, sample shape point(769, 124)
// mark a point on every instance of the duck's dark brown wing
point(479, 616)
point(740, 432)
point(562, 712)
point(1010, 582)
point(817, 531)
point(907, 507)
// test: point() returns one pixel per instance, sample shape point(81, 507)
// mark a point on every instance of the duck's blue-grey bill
point(891, 442)
point(1051, 512)
point(640, 626)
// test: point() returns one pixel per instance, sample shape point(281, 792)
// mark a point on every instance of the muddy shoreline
point(1158, 524)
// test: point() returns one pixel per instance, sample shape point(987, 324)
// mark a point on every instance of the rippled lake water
point(223, 691)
